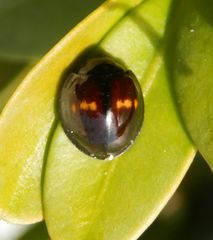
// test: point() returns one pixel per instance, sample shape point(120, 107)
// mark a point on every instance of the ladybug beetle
point(101, 108)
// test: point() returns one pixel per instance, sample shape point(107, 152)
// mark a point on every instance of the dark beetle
point(101, 108)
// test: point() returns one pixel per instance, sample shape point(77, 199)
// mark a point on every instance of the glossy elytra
point(101, 108)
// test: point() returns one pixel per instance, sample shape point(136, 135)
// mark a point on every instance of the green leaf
point(27, 119)
point(29, 28)
point(86, 198)
point(193, 71)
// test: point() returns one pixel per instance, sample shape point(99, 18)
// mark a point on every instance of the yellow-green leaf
point(86, 198)
point(27, 119)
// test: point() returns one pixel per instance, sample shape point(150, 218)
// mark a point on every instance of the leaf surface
point(27, 119)
point(193, 71)
point(86, 198)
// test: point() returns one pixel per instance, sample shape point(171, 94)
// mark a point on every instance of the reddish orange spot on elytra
point(84, 105)
point(92, 106)
point(136, 103)
point(127, 103)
